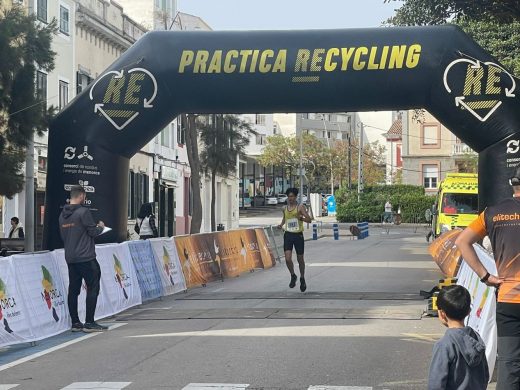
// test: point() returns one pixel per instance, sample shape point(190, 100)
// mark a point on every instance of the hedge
point(411, 199)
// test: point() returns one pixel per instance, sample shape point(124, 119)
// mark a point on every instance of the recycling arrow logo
point(125, 96)
point(479, 87)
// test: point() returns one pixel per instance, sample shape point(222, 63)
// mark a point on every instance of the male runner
point(502, 224)
point(294, 215)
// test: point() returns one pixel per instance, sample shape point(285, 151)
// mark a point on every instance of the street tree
point(319, 159)
point(190, 124)
point(25, 46)
point(373, 162)
point(223, 139)
point(495, 25)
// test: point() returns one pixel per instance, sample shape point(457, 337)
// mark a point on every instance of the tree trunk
point(192, 147)
point(213, 198)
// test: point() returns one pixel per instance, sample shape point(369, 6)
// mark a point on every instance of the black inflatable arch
point(168, 73)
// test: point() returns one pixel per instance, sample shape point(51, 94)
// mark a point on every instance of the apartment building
point(430, 151)
point(55, 89)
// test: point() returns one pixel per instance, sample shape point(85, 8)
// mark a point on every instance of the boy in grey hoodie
point(459, 358)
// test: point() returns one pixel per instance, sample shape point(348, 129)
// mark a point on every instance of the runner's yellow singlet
point(292, 220)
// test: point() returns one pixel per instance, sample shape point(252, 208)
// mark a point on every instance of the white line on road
point(55, 348)
point(339, 388)
point(215, 386)
point(7, 387)
point(218, 289)
point(97, 386)
point(378, 264)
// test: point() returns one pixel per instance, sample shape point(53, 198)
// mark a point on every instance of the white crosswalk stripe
point(7, 387)
point(215, 386)
point(97, 386)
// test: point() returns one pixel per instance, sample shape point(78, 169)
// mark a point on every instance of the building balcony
point(460, 149)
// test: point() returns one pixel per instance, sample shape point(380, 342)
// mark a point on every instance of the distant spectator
point(388, 212)
point(16, 229)
point(145, 224)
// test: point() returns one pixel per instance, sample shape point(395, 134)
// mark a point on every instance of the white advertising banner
point(169, 265)
point(118, 277)
point(44, 293)
point(103, 307)
point(483, 310)
point(14, 321)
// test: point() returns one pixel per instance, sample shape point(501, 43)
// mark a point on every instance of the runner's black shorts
point(293, 240)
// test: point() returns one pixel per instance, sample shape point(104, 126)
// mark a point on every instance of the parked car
point(272, 200)
point(302, 199)
point(282, 198)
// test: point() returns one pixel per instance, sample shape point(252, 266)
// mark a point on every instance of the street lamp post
point(360, 162)
point(331, 165)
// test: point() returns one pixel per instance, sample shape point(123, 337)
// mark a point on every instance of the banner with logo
point(483, 310)
point(266, 250)
point(214, 256)
point(103, 308)
point(248, 256)
point(44, 293)
point(14, 317)
point(168, 265)
point(446, 254)
point(200, 264)
point(146, 269)
point(118, 277)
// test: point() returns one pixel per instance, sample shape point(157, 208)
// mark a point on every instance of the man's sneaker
point(77, 327)
point(303, 285)
point(91, 327)
point(294, 278)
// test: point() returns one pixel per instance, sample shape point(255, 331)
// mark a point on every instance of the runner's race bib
point(293, 225)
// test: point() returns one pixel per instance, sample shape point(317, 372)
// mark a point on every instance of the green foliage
point(428, 12)
point(317, 159)
point(494, 25)
point(410, 199)
point(500, 39)
point(25, 46)
point(224, 138)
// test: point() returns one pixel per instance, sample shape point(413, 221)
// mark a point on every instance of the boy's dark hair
point(15, 220)
point(76, 191)
point(455, 301)
point(293, 191)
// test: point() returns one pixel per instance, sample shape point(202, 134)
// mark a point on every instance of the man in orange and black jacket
point(502, 224)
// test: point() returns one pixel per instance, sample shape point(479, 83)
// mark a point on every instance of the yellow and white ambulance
point(456, 204)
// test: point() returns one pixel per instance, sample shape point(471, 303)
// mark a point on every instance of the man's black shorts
point(295, 240)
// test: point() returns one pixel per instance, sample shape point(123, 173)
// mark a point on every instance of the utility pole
point(29, 195)
point(360, 162)
point(331, 165)
point(301, 166)
point(350, 158)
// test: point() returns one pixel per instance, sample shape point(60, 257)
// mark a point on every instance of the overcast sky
point(288, 14)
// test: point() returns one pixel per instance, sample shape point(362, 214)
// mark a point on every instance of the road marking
point(425, 337)
point(378, 264)
point(7, 387)
point(215, 386)
point(97, 386)
point(218, 289)
point(56, 348)
point(325, 387)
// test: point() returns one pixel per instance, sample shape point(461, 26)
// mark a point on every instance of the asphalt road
point(359, 325)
